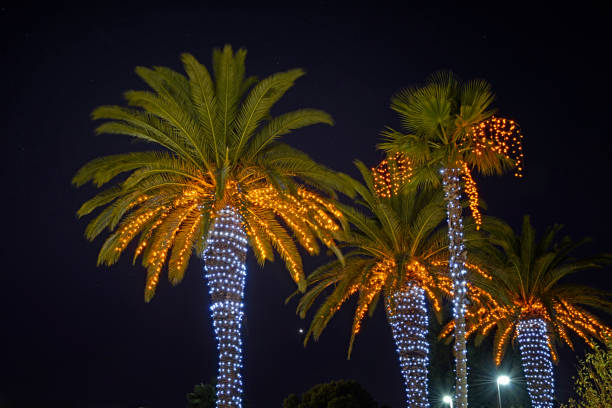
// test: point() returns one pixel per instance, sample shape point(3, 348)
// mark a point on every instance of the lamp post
point(448, 400)
point(501, 380)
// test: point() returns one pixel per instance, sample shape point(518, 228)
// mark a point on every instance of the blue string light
point(452, 191)
point(225, 267)
point(409, 323)
point(533, 340)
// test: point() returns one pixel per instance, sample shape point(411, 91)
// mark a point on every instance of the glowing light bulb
point(503, 380)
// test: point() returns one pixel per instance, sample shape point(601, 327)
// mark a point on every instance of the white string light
point(452, 191)
point(533, 342)
point(224, 264)
point(409, 323)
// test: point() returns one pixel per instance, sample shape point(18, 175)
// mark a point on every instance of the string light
point(407, 315)
point(472, 192)
point(452, 191)
point(391, 174)
point(499, 136)
point(224, 264)
point(534, 344)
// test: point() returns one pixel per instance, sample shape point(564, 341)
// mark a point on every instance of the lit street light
point(501, 380)
point(448, 400)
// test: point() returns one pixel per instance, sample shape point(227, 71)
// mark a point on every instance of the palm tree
point(527, 301)
point(395, 250)
point(450, 130)
point(220, 183)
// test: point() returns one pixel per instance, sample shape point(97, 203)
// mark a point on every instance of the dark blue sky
point(76, 335)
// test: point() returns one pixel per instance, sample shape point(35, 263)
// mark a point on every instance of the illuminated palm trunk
point(452, 190)
point(225, 268)
point(407, 316)
point(533, 342)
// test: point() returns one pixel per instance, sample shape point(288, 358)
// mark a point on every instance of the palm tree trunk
point(407, 316)
point(452, 190)
point(533, 342)
point(225, 267)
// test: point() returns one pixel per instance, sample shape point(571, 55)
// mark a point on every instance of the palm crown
point(398, 241)
point(450, 124)
point(220, 148)
point(527, 284)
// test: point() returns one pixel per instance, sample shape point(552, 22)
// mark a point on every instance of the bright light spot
point(301, 331)
point(503, 380)
point(447, 399)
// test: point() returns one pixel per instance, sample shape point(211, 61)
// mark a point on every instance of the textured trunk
point(452, 190)
point(225, 268)
point(407, 316)
point(537, 365)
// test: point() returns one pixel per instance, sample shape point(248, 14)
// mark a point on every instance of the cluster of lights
point(391, 174)
point(452, 190)
point(225, 267)
point(409, 323)
point(501, 136)
point(533, 340)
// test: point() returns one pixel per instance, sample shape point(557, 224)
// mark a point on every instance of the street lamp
point(448, 400)
point(501, 380)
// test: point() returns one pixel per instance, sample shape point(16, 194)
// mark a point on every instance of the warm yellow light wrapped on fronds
point(472, 192)
point(501, 136)
point(534, 308)
point(303, 213)
point(391, 174)
point(582, 323)
point(374, 285)
point(484, 313)
point(172, 222)
point(161, 246)
point(501, 339)
point(307, 209)
point(468, 265)
point(416, 272)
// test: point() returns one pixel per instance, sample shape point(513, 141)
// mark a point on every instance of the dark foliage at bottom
point(335, 394)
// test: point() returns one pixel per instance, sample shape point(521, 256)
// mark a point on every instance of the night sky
point(74, 335)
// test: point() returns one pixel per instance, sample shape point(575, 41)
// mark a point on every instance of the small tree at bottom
point(335, 394)
point(593, 385)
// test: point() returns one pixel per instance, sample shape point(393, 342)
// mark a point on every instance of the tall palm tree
point(449, 130)
point(526, 300)
point(218, 181)
point(395, 249)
